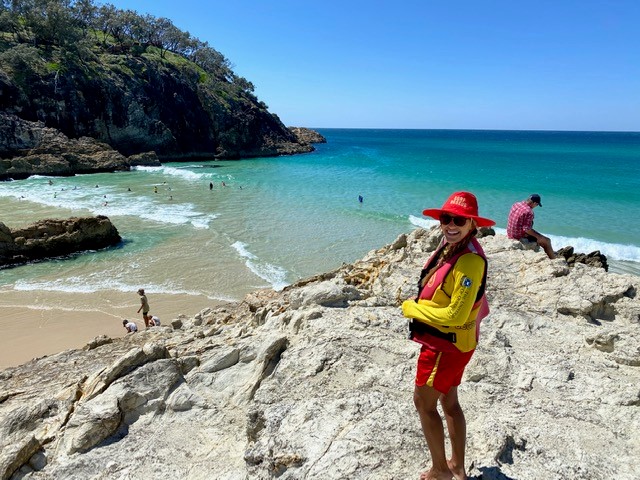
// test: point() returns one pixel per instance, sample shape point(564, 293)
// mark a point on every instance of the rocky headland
point(84, 86)
point(306, 135)
point(30, 148)
point(55, 238)
point(316, 382)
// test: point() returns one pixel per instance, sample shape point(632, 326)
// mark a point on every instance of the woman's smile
point(453, 233)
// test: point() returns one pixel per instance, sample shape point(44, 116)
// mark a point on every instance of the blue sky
point(468, 64)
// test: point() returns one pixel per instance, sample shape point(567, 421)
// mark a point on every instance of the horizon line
point(473, 129)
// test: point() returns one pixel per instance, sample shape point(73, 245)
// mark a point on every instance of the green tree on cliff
point(67, 23)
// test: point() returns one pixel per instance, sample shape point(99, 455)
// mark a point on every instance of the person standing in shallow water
point(144, 306)
point(445, 319)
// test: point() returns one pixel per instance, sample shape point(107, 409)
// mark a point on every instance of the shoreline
point(41, 323)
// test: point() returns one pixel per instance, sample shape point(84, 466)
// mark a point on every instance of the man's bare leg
point(545, 243)
point(457, 426)
point(426, 401)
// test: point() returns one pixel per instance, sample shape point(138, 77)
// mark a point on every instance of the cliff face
point(142, 102)
point(316, 382)
point(30, 148)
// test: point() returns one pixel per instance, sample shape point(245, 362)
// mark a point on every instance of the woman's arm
point(466, 276)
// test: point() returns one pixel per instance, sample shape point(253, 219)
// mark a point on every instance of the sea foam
point(100, 283)
point(276, 276)
point(422, 222)
point(110, 201)
point(613, 251)
point(183, 173)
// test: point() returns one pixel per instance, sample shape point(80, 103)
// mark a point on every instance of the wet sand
point(38, 323)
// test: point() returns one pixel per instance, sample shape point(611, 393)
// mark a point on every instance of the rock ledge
point(315, 382)
point(55, 238)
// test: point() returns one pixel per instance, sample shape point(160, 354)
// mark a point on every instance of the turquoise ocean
point(277, 220)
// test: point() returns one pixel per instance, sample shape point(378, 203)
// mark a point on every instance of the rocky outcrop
point(30, 148)
point(593, 259)
point(306, 135)
point(146, 159)
point(316, 382)
point(55, 238)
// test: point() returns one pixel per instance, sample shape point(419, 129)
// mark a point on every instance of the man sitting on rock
point(520, 224)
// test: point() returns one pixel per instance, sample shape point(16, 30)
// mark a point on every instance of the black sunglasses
point(445, 219)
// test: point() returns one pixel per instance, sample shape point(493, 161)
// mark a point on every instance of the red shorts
point(441, 370)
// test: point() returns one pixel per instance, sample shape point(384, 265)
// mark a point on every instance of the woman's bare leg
point(457, 426)
point(426, 401)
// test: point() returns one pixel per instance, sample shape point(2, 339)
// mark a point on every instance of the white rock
point(315, 382)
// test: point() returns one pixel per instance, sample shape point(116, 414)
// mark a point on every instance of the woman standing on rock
point(445, 320)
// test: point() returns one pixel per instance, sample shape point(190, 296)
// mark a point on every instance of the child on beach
point(129, 326)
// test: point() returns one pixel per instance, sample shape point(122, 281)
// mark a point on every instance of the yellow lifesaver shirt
point(451, 306)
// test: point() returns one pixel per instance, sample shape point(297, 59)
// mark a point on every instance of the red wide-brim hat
point(460, 204)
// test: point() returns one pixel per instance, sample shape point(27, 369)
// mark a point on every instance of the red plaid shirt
point(520, 220)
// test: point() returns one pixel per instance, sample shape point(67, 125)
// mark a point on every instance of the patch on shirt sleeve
point(466, 282)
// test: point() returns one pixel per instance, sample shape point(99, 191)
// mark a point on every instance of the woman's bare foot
point(436, 475)
point(458, 472)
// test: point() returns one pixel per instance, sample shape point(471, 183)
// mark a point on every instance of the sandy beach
point(38, 323)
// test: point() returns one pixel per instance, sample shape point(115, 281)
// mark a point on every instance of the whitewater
point(268, 222)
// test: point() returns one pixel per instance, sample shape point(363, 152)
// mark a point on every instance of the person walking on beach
point(520, 224)
point(144, 306)
point(445, 319)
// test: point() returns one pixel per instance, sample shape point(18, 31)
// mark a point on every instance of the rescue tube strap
point(416, 327)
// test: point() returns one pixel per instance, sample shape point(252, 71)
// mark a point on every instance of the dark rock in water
point(55, 238)
point(306, 135)
point(593, 259)
point(147, 159)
